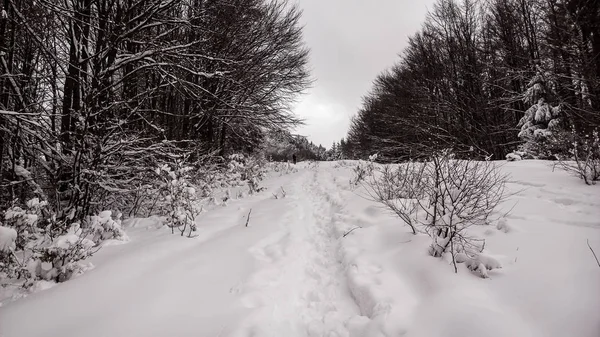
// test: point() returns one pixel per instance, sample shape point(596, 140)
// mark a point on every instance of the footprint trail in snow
point(301, 288)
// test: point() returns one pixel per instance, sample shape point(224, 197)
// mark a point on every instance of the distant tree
point(334, 152)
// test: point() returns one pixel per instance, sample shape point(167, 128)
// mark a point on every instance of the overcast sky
point(351, 41)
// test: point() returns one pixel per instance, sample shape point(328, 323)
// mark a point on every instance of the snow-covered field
point(292, 272)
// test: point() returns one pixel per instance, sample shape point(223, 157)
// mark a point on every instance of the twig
point(510, 210)
point(350, 231)
point(248, 218)
point(596, 257)
point(283, 192)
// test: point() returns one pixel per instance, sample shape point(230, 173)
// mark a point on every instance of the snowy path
point(291, 273)
point(278, 277)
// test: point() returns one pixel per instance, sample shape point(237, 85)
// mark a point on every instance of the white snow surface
point(8, 236)
point(293, 273)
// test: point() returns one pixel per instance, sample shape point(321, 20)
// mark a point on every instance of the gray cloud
point(351, 41)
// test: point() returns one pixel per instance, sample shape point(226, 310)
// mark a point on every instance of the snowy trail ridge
point(293, 273)
point(301, 290)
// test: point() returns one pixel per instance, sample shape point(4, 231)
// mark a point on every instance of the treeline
point(484, 77)
point(281, 145)
point(95, 94)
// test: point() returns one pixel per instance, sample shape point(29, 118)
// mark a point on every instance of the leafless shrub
point(458, 195)
point(397, 187)
point(180, 198)
point(443, 198)
point(584, 157)
point(361, 171)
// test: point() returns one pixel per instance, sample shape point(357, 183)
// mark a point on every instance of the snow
point(513, 157)
point(36, 204)
point(105, 215)
point(325, 261)
point(22, 172)
point(69, 240)
point(8, 236)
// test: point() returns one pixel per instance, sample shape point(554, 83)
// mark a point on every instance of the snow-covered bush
point(37, 245)
point(25, 221)
point(180, 198)
point(182, 190)
point(516, 156)
point(103, 227)
point(60, 260)
point(282, 168)
point(459, 194)
point(245, 169)
point(478, 263)
point(8, 239)
point(442, 198)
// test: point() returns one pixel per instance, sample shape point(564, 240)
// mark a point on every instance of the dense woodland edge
point(486, 78)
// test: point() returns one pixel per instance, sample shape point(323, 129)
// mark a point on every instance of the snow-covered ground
point(292, 272)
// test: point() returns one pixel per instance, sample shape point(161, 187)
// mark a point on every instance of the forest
point(97, 93)
point(486, 78)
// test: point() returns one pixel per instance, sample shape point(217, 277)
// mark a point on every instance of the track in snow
point(301, 289)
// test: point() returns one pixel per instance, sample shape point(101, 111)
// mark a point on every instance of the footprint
point(310, 271)
point(313, 296)
point(372, 211)
point(564, 201)
point(374, 269)
point(525, 183)
point(254, 300)
point(236, 289)
point(273, 252)
point(264, 278)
